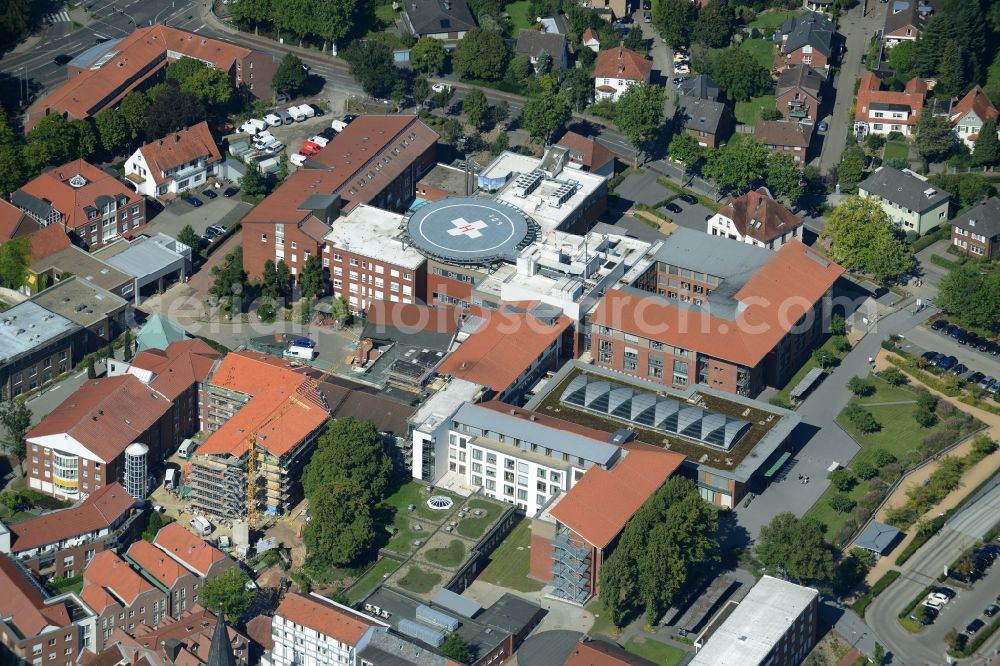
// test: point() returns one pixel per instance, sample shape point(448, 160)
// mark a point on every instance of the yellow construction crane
point(251, 499)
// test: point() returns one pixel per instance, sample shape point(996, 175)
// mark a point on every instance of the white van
point(201, 525)
point(187, 447)
point(170, 479)
point(298, 159)
point(320, 141)
point(307, 110)
point(295, 351)
point(253, 126)
point(338, 125)
point(296, 114)
point(273, 119)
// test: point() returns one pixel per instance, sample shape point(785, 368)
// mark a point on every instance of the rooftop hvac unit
point(564, 192)
point(428, 615)
point(527, 183)
point(421, 632)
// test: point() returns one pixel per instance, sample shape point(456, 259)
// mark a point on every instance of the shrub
point(880, 457)
point(861, 514)
point(983, 446)
point(875, 141)
point(924, 417)
point(846, 531)
point(860, 387)
point(926, 399)
point(878, 588)
point(936, 441)
point(862, 419)
point(891, 472)
point(877, 485)
point(842, 503)
point(894, 376)
point(895, 136)
point(842, 480)
point(901, 516)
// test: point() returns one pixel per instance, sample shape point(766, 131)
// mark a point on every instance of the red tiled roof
point(621, 63)
point(593, 155)
point(53, 186)
point(10, 219)
point(48, 240)
point(760, 217)
point(503, 347)
point(871, 92)
point(589, 36)
point(188, 548)
point(108, 573)
point(590, 652)
point(284, 204)
point(137, 58)
point(23, 604)
point(977, 101)
point(186, 145)
point(787, 286)
point(156, 563)
point(600, 503)
point(105, 415)
point(285, 406)
point(183, 364)
point(323, 616)
point(99, 511)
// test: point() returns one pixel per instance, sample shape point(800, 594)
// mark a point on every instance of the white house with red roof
point(967, 117)
point(617, 69)
point(314, 630)
point(176, 163)
point(757, 219)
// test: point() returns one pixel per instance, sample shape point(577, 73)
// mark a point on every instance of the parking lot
point(220, 210)
point(294, 134)
point(692, 216)
point(922, 338)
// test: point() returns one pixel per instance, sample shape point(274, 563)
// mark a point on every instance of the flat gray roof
point(749, 634)
point(572, 444)
point(143, 257)
point(387, 649)
point(27, 326)
point(78, 262)
point(80, 301)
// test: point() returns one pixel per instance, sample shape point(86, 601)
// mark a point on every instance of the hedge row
point(865, 600)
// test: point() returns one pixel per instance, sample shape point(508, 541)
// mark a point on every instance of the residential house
point(255, 393)
point(879, 111)
point(696, 290)
point(88, 203)
point(819, 5)
point(702, 87)
point(311, 629)
point(618, 68)
point(757, 219)
point(807, 40)
point(609, 9)
point(291, 223)
point(118, 66)
point(977, 231)
point(176, 163)
point(79, 447)
point(798, 93)
point(533, 43)
point(36, 346)
point(907, 198)
point(440, 19)
point(967, 117)
point(62, 543)
point(906, 20)
point(68, 260)
point(180, 563)
point(707, 120)
point(576, 533)
point(590, 40)
point(122, 598)
point(512, 349)
point(37, 628)
point(783, 137)
point(588, 154)
point(99, 313)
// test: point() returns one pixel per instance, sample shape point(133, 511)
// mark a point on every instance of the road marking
point(198, 28)
point(56, 17)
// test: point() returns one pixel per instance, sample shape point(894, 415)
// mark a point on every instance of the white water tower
point(135, 478)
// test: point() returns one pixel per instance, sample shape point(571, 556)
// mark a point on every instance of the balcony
point(188, 171)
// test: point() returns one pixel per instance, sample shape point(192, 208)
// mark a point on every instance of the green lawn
point(449, 556)
point(784, 395)
point(602, 619)
point(520, 16)
point(473, 527)
point(762, 50)
point(748, 113)
point(419, 581)
point(771, 21)
point(896, 150)
point(510, 562)
point(385, 14)
point(372, 578)
point(655, 651)
point(412, 493)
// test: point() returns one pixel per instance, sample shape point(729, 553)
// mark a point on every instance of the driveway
point(857, 30)
point(643, 188)
point(928, 340)
point(179, 213)
point(692, 216)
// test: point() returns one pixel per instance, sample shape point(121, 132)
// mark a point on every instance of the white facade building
point(314, 631)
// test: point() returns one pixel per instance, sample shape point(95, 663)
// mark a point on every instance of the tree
point(127, 346)
point(864, 239)
point(784, 177)
point(482, 54)
point(900, 59)
point(183, 69)
point(955, 22)
point(277, 280)
point(421, 89)
point(315, 280)
point(953, 639)
point(229, 278)
point(894, 376)
point(852, 168)
point(171, 109)
point(860, 387)
point(474, 106)
point(841, 503)
point(862, 419)
point(290, 76)
point(15, 257)
point(428, 55)
point(454, 646)
point(673, 19)
point(685, 149)
point(11, 164)
point(15, 20)
point(15, 417)
point(341, 529)
point(112, 129)
point(842, 480)
point(934, 141)
point(639, 114)
point(739, 74)
point(547, 113)
point(133, 111)
point(972, 296)
point(520, 69)
point(714, 25)
point(987, 150)
point(91, 370)
point(577, 87)
point(952, 79)
point(153, 525)
point(878, 654)
point(228, 592)
point(795, 546)
point(210, 86)
point(738, 164)
point(974, 188)
point(253, 183)
point(350, 450)
point(86, 138)
point(633, 41)
point(189, 237)
point(53, 141)
point(372, 66)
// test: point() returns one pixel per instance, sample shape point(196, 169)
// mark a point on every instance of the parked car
point(974, 626)
point(991, 610)
point(983, 345)
point(437, 87)
point(230, 191)
point(647, 17)
point(959, 369)
point(947, 363)
point(682, 69)
point(209, 194)
point(274, 147)
point(985, 382)
point(938, 324)
point(975, 377)
point(281, 98)
point(320, 141)
point(959, 334)
point(688, 198)
point(945, 592)
point(253, 126)
point(328, 133)
point(296, 114)
point(674, 208)
point(286, 118)
point(937, 598)
point(218, 228)
point(298, 159)
point(273, 119)
point(927, 615)
point(929, 356)
point(317, 111)
point(193, 200)
point(950, 328)
point(823, 127)
point(350, 118)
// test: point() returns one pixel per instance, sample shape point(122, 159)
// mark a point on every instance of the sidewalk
point(970, 479)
